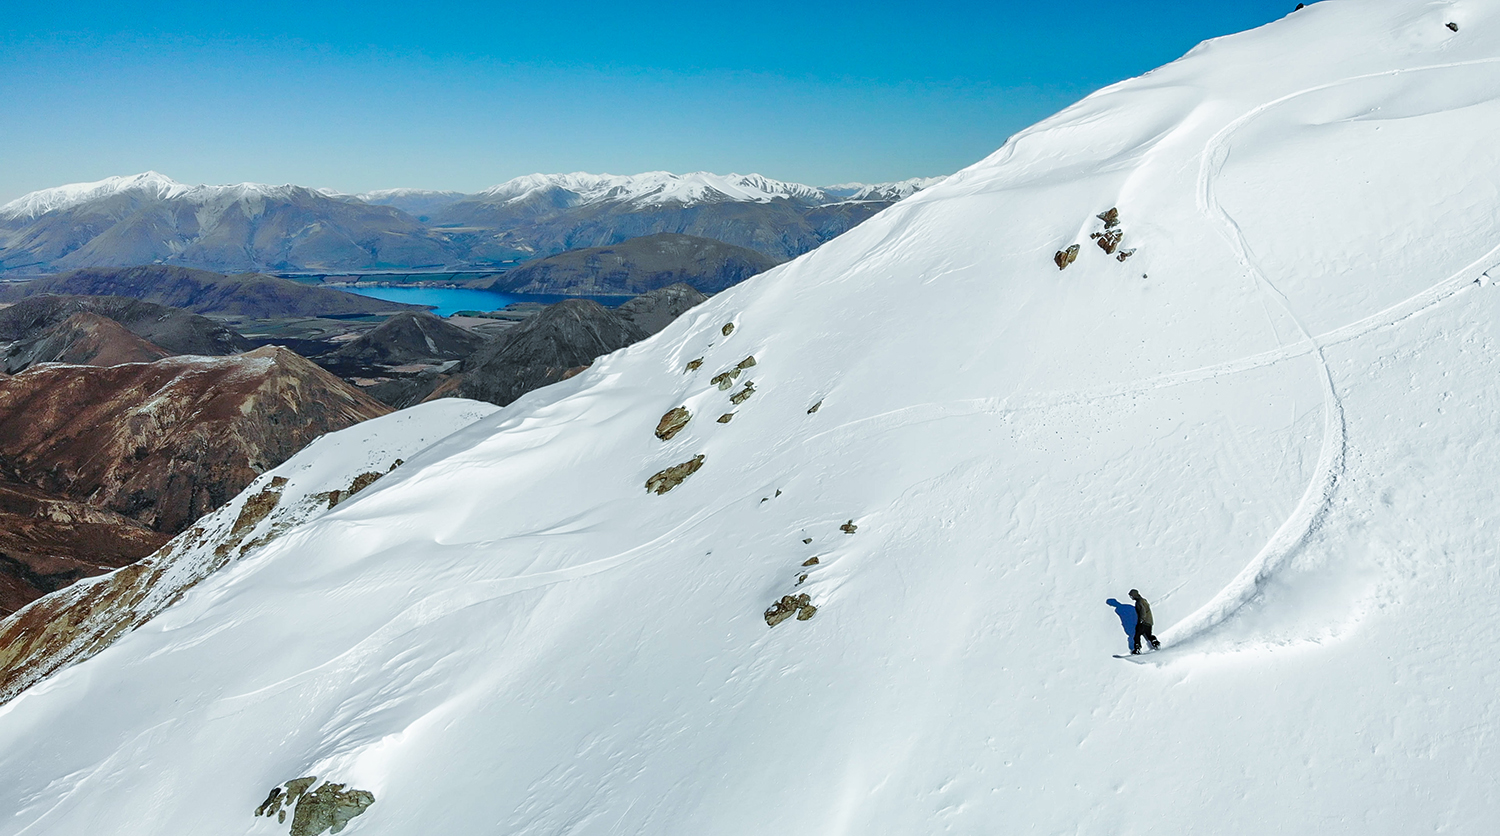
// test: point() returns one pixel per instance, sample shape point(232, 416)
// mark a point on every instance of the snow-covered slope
point(1275, 420)
point(79, 620)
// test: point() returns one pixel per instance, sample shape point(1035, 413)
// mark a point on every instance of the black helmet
point(1134, 594)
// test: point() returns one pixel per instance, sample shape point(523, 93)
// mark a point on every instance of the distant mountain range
point(202, 292)
point(151, 219)
point(637, 266)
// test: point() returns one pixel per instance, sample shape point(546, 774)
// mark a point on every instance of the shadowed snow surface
point(1275, 420)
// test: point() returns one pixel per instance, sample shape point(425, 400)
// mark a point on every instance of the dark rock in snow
point(673, 422)
point(329, 808)
point(800, 606)
point(743, 395)
point(1109, 241)
point(849, 527)
point(1111, 218)
point(665, 480)
point(1065, 257)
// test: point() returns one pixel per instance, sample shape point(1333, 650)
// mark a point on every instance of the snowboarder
point(1142, 624)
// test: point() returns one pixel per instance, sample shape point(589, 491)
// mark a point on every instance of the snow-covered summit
point(1274, 417)
point(383, 195)
point(893, 191)
point(899, 190)
point(149, 184)
point(653, 188)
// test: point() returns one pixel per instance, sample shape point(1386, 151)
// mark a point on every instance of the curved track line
point(1316, 500)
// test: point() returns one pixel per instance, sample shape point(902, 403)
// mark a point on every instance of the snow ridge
point(148, 184)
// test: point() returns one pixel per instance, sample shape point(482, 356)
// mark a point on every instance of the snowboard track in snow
point(1311, 510)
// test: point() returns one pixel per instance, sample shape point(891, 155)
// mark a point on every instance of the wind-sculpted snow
point(1275, 420)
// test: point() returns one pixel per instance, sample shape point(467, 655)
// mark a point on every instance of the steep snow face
point(653, 188)
point(1275, 419)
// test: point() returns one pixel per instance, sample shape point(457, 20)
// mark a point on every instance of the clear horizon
point(358, 97)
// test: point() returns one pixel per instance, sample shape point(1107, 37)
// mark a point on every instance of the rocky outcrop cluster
point(665, 480)
point(328, 808)
point(1109, 239)
point(790, 605)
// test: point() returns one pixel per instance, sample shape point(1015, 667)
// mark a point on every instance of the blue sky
point(463, 95)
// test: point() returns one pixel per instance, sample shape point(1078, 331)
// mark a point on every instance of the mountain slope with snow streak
point(1275, 419)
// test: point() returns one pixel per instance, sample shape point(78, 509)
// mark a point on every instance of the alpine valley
point(1227, 333)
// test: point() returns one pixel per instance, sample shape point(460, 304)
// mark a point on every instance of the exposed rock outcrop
point(1065, 257)
point(673, 422)
point(328, 808)
point(665, 480)
point(790, 605)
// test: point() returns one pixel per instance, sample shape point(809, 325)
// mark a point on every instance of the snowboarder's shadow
point(1126, 612)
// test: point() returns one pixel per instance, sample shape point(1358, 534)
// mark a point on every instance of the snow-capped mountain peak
point(149, 184)
point(654, 188)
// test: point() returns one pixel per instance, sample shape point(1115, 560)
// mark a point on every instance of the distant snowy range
point(152, 219)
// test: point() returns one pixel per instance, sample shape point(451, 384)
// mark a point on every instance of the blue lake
point(449, 300)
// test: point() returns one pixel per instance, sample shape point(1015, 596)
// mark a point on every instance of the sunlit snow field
point(1276, 420)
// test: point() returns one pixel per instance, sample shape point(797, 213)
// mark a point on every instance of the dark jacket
point(1142, 613)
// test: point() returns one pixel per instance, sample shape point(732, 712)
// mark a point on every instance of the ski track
point(1311, 510)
